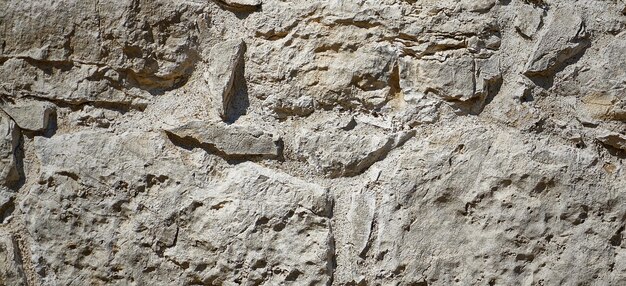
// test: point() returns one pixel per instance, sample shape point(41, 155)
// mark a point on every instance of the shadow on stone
point(240, 102)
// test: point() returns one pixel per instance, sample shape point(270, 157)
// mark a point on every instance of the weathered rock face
point(11, 270)
point(264, 142)
point(229, 140)
point(9, 140)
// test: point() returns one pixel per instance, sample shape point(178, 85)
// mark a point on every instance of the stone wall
point(272, 142)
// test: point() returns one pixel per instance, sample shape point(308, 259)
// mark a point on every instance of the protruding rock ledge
point(613, 139)
point(29, 115)
point(565, 38)
point(344, 154)
point(230, 140)
point(225, 60)
point(240, 5)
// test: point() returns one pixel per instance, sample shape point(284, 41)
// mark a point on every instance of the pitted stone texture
point(523, 199)
point(242, 226)
point(373, 142)
point(274, 229)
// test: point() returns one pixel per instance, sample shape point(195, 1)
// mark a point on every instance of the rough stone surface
point(269, 142)
point(564, 38)
point(11, 269)
point(29, 115)
point(230, 140)
point(342, 153)
point(9, 140)
point(225, 61)
point(614, 140)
